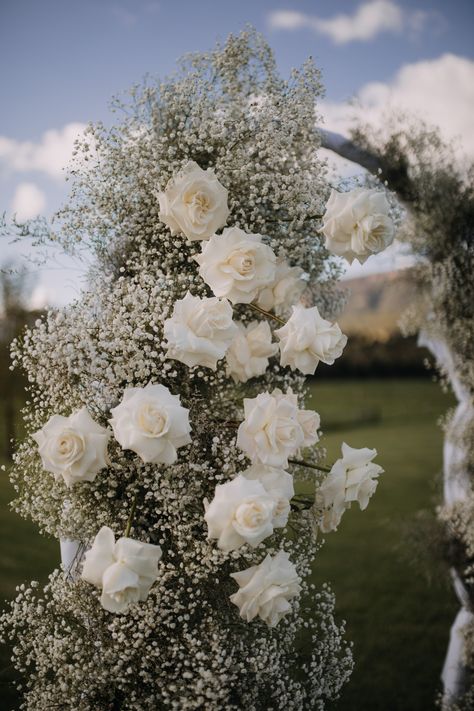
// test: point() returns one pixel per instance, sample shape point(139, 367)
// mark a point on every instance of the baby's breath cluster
point(183, 645)
point(171, 652)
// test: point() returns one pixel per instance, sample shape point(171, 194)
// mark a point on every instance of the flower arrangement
point(183, 434)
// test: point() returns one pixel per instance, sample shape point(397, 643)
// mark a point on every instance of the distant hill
point(375, 304)
point(376, 348)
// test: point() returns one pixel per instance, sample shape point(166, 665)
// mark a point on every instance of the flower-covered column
point(457, 488)
point(418, 165)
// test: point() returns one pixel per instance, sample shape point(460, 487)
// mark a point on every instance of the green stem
point(302, 463)
point(267, 314)
point(131, 515)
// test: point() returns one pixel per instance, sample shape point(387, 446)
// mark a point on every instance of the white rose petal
point(307, 338)
point(236, 265)
point(310, 422)
point(357, 224)
point(250, 350)
point(200, 330)
point(120, 588)
point(73, 448)
point(151, 422)
point(194, 203)
point(240, 512)
point(265, 589)
point(99, 557)
point(354, 477)
point(124, 570)
point(271, 431)
point(279, 485)
point(284, 291)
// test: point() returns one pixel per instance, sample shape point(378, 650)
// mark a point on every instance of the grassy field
point(399, 623)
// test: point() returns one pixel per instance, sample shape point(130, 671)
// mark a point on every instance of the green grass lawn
point(399, 623)
point(24, 556)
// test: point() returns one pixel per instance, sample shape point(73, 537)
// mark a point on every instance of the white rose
point(73, 448)
point(357, 224)
point(270, 432)
point(200, 330)
point(284, 291)
point(265, 589)
point(194, 203)
point(354, 477)
point(236, 265)
point(308, 419)
point(250, 350)
point(240, 512)
point(124, 570)
point(151, 422)
point(279, 485)
point(307, 338)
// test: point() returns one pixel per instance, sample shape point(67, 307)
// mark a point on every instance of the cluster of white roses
point(249, 508)
point(239, 269)
point(151, 422)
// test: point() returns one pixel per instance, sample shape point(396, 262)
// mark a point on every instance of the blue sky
point(63, 59)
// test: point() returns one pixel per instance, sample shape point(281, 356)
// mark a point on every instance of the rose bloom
point(240, 512)
point(200, 330)
point(357, 224)
point(151, 422)
point(284, 291)
point(250, 350)
point(279, 485)
point(308, 419)
point(354, 477)
point(265, 589)
point(194, 203)
point(307, 338)
point(236, 265)
point(271, 431)
point(73, 448)
point(124, 570)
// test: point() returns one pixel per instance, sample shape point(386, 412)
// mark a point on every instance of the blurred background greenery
point(394, 595)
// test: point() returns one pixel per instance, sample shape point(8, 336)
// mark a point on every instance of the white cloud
point(28, 201)
point(50, 155)
point(369, 20)
point(440, 91)
point(129, 18)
